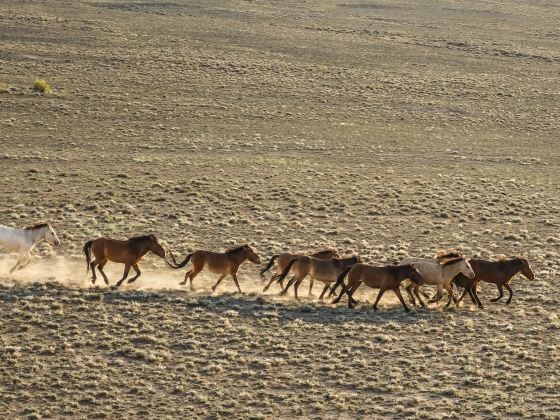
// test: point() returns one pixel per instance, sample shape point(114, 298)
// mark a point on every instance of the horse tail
point(264, 270)
point(182, 263)
point(340, 280)
point(87, 252)
point(286, 270)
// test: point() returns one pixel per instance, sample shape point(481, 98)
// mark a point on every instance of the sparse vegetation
point(380, 128)
point(41, 85)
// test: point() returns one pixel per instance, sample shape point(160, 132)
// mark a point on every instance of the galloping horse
point(439, 275)
point(222, 263)
point(382, 278)
point(326, 271)
point(128, 252)
point(498, 272)
point(24, 240)
point(285, 258)
point(441, 257)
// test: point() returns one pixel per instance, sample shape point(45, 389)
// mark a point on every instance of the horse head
point(466, 269)
point(525, 268)
point(50, 235)
point(413, 274)
point(156, 247)
point(251, 255)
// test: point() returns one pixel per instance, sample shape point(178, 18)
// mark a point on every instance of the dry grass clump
point(4, 88)
point(42, 86)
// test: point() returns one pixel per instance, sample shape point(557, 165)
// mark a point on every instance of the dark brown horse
point(499, 273)
point(222, 263)
point(128, 252)
point(382, 278)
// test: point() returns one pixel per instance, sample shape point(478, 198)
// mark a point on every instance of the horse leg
point(508, 287)
point(437, 297)
point(501, 290)
point(125, 274)
point(186, 277)
point(296, 287)
point(280, 282)
point(285, 289)
point(449, 291)
point(234, 275)
point(471, 296)
point(270, 283)
point(311, 288)
point(465, 291)
point(397, 291)
point(479, 303)
point(92, 266)
point(26, 260)
point(410, 295)
point(324, 291)
point(222, 276)
point(344, 290)
point(350, 289)
point(21, 257)
point(416, 287)
point(133, 279)
point(100, 268)
point(381, 291)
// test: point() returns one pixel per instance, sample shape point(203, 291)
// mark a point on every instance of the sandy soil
point(381, 128)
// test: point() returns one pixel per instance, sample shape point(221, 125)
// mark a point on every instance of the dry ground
point(382, 128)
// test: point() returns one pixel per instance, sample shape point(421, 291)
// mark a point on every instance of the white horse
point(438, 274)
point(23, 240)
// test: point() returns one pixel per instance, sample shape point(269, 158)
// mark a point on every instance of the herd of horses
point(447, 270)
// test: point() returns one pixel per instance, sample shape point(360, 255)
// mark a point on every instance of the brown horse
point(382, 278)
point(128, 252)
point(326, 271)
point(222, 263)
point(498, 272)
point(285, 258)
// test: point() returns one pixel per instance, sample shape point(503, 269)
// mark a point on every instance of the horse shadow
point(248, 306)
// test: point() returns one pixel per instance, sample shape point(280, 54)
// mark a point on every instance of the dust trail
point(70, 271)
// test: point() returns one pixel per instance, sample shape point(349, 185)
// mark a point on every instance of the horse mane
point(324, 251)
point(453, 261)
point(142, 238)
point(450, 253)
point(237, 249)
point(512, 259)
point(38, 225)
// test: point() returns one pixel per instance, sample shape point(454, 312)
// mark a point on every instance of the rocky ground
point(379, 128)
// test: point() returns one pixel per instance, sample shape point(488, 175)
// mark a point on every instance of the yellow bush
point(41, 85)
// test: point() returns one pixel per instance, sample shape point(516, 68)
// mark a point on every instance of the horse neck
point(511, 268)
point(452, 270)
point(342, 263)
point(238, 257)
point(142, 247)
point(37, 235)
